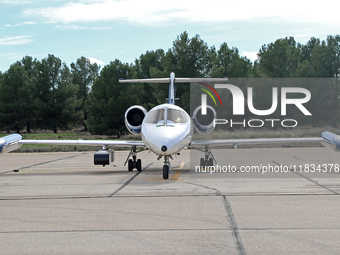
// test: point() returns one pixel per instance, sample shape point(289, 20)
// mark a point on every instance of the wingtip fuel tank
point(331, 140)
point(10, 143)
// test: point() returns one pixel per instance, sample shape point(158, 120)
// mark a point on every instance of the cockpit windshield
point(177, 116)
point(156, 116)
point(173, 116)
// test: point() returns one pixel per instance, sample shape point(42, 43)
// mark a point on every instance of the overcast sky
point(104, 30)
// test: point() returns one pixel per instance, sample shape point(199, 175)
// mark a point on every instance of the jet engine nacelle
point(204, 124)
point(134, 117)
point(10, 143)
point(331, 140)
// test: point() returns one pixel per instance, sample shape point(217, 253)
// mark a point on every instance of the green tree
point(15, 99)
point(149, 65)
point(84, 74)
point(306, 50)
point(189, 57)
point(109, 99)
point(56, 95)
point(30, 66)
point(325, 57)
point(280, 59)
point(230, 64)
point(151, 59)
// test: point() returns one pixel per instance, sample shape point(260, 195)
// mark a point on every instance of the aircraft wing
point(221, 142)
point(85, 142)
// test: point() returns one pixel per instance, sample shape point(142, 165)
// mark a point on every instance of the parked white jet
point(166, 130)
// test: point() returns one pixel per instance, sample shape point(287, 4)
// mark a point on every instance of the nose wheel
point(165, 172)
point(166, 168)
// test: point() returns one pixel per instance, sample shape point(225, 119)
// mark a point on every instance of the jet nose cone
point(164, 148)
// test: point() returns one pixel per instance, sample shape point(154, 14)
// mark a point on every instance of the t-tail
point(172, 87)
point(172, 83)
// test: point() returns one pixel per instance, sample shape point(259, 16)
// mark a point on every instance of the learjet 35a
point(166, 130)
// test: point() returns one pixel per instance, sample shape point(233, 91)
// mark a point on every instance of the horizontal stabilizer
point(167, 80)
point(153, 80)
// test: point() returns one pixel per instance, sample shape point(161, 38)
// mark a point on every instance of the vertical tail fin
point(171, 99)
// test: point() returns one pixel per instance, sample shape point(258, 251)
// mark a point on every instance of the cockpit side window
point(177, 116)
point(155, 116)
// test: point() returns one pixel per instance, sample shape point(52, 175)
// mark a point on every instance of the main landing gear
point(208, 159)
point(134, 163)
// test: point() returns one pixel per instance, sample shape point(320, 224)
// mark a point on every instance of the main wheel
point(130, 165)
point(202, 162)
point(139, 165)
point(211, 162)
point(165, 172)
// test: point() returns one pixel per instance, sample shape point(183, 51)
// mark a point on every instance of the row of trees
point(45, 94)
point(48, 94)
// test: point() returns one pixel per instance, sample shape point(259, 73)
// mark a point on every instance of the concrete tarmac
point(60, 203)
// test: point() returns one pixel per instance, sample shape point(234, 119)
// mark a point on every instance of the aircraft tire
point(202, 162)
point(139, 165)
point(130, 165)
point(211, 162)
point(165, 172)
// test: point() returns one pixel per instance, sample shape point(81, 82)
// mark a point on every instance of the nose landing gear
point(166, 167)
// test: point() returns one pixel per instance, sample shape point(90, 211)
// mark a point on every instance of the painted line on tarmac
point(175, 177)
point(181, 165)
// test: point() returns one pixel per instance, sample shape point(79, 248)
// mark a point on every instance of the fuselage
point(167, 129)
